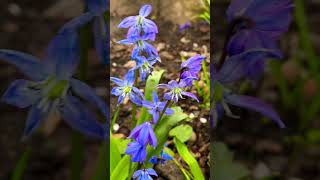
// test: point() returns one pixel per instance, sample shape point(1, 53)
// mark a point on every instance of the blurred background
point(260, 149)
point(28, 26)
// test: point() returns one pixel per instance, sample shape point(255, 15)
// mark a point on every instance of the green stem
point(77, 149)
point(305, 36)
point(134, 106)
point(22, 164)
point(102, 171)
point(115, 117)
point(164, 110)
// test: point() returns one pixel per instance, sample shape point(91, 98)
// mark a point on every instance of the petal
point(155, 97)
point(153, 160)
point(63, 55)
point(28, 64)
point(88, 94)
point(102, 39)
point(190, 95)
point(169, 111)
point(128, 22)
point(126, 42)
point(164, 86)
point(255, 104)
point(152, 138)
point(76, 23)
point(135, 132)
point(81, 118)
point(135, 99)
point(20, 95)
point(152, 172)
point(149, 26)
point(35, 116)
point(120, 99)
point(130, 77)
point(137, 173)
point(147, 104)
point(166, 156)
point(117, 81)
point(155, 115)
point(116, 91)
point(145, 10)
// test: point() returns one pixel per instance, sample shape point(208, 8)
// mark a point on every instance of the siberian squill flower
point(144, 134)
point(162, 158)
point(232, 71)
point(144, 174)
point(137, 151)
point(176, 90)
point(145, 66)
point(138, 24)
point(96, 14)
point(125, 88)
point(156, 107)
point(52, 88)
point(258, 23)
point(140, 46)
point(190, 68)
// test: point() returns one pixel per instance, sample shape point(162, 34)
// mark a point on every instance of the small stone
point(191, 116)
point(116, 127)
point(114, 64)
point(184, 40)
point(14, 9)
point(166, 55)
point(160, 46)
point(261, 171)
point(203, 120)
point(130, 64)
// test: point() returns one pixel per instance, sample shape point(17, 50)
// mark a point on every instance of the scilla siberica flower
point(137, 151)
point(190, 69)
point(139, 23)
point(125, 88)
point(163, 158)
point(140, 46)
point(156, 107)
point(96, 14)
point(258, 23)
point(144, 134)
point(144, 174)
point(233, 70)
point(145, 66)
point(176, 90)
point(52, 88)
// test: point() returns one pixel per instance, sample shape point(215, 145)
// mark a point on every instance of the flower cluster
point(51, 88)
point(141, 32)
point(255, 26)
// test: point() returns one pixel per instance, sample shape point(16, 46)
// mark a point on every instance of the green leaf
point(182, 132)
point(115, 155)
point(121, 171)
point(151, 85)
point(222, 165)
point(163, 128)
point(189, 159)
point(313, 136)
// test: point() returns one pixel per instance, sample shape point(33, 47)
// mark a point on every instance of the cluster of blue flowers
point(51, 88)
point(255, 26)
point(141, 30)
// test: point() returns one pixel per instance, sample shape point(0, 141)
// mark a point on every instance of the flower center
point(127, 89)
point(140, 43)
point(140, 20)
point(177, 91)
point(58, 89)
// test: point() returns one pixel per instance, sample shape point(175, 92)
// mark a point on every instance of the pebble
point(166, 55)
point(203, 120)
point(160, 46)
point(116, 127)
point(184, 40)
point(191, 116)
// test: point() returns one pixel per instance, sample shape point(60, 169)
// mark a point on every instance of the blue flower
point(141, 46)
point(258, 23)
point(163, 158)
point(144, 134)
point(96, 14)
point(176, 90)
point(185, 26)
point(144, 174)
point(156, 107)
point(139, 23)
point(233, 70)
point(190, 68)
point(126, 88)
point(52, 88)
point(137, 152)
point(145, 66)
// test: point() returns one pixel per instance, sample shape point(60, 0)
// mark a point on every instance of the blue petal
point(155, 97)
point(88, 94)
point(120, 99)
point(20, 95)
point(153, 160)
point(128, 22)
point(76, 23)
point(255, 104)
point(126, 42)
point(145, 10)
point(150, 26)
point(130, 77)
point(190, 95)
point(35, 116)
point(63, 55)
point(152, 172)
point(137, 173)
point(102, 39)
point(116, 91)
point(164, 86)
point(147, 104)
point(81, 118)
point(118, 81)
point(29, 65)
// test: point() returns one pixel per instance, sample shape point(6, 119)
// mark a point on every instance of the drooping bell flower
point(137, 152)
point(144, 134)
point(144, 174)
point(190, 68)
